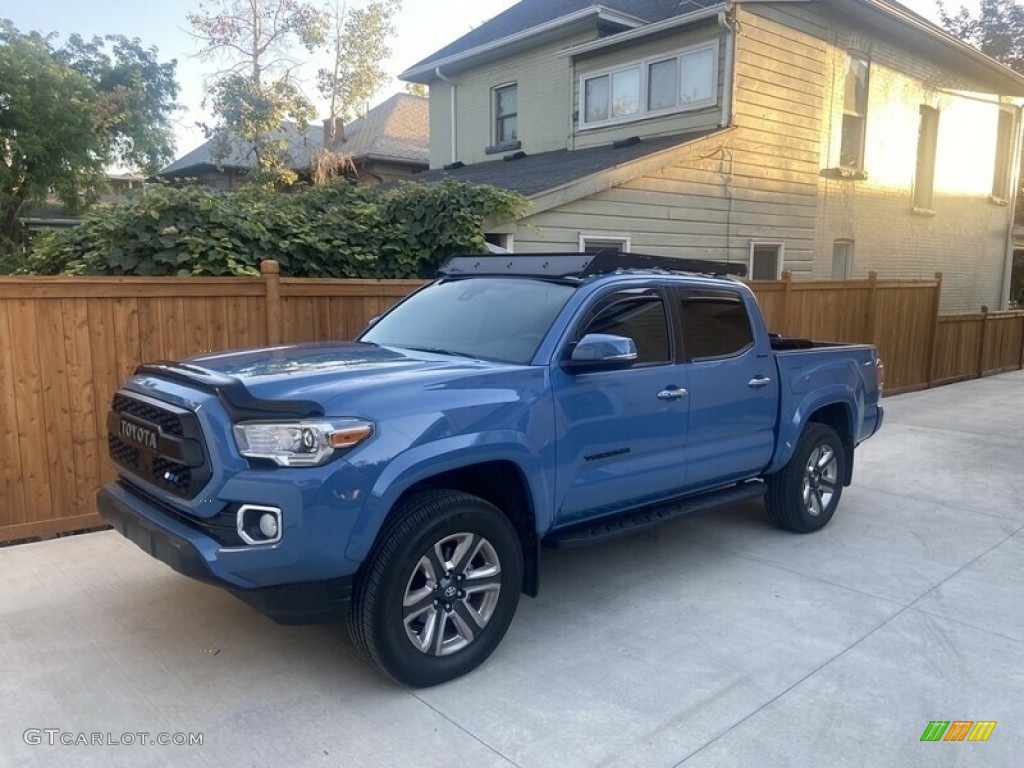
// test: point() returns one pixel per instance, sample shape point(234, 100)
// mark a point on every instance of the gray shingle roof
point(397, 130)
point(533, 174)
point(531, 13)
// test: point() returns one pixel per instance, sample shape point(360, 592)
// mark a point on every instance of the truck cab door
point(621, 433)
point(734, 388)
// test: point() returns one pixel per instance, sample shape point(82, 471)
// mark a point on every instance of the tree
point(359, 45)
point(417, 89)
point(255, 95)
point(135, 97)
point(66, 114)
point(997, 30)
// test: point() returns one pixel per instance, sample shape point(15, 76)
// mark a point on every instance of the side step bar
point(636, 521)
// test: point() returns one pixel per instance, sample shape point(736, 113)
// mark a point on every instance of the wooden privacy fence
point(67, 343)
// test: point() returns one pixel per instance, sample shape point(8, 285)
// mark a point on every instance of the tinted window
point(494, 319)
point(714, 326)
point(639, 315)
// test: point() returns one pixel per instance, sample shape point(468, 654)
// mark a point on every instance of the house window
point(855, 111)
point(842, 259)
point(927, 143)
point(765, 261)
point(1004, 156)
point(612, 96)
point(506, 114)
point(599, 242)
point(687, 79)
point(505, 242)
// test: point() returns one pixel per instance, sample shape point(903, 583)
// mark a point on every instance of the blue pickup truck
point(409, 480)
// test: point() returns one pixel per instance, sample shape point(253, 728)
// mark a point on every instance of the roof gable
point(397, 130)
point(529, 14)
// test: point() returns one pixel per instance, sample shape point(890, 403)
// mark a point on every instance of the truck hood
point(321, 372)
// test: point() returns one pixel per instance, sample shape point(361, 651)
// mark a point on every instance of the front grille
point(122, 453)
point(177, 462)
point(168, 422)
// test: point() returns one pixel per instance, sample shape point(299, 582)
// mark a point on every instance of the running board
point(629, 523)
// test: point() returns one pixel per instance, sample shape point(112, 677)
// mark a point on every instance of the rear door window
point(714, 324)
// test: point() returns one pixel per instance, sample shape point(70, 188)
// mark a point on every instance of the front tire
point(440, 589)
point(803, 496)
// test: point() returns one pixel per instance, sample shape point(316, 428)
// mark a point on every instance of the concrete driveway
point(720, 641)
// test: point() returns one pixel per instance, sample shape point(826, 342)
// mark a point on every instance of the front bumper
point(301, 603)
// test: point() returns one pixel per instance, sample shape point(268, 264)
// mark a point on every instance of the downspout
point(451, 92)
point(1004, 298)
point(730, 65)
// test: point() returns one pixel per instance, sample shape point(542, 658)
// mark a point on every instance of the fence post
point(1020, 360)
point(981, 346)
point(271, 272)
point(787, 292)
point(873, 308)
point(934, 333)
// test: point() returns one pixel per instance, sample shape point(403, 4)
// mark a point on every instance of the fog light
point(259, 525)
point(268, 525)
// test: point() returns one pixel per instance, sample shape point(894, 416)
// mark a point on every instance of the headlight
point(300, 443)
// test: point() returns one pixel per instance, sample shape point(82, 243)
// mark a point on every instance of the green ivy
point(337, 230)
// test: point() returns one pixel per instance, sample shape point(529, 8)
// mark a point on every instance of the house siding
point(965, 238)
point(770, 177)
point(544, 115)
point(756, 182)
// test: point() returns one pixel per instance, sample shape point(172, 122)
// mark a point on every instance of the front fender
point(791, 429)
point(429, 459)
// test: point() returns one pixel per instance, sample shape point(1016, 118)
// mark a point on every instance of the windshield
point(501, 319)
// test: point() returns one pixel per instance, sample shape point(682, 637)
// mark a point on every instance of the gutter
point(921, 24)
point(451, 93)
point(726, 24)
point(1004, 294)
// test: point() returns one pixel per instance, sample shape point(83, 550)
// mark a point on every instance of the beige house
point(825, 137)
point(389, 143)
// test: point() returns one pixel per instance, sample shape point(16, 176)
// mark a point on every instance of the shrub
point(337, 230)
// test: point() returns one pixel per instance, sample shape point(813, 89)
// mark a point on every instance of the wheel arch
point(501, 482)
point(838, 417)
point(833, 407)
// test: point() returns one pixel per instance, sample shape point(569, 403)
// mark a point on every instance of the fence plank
point(31, 438)
point(84, 437)
point(12, 483)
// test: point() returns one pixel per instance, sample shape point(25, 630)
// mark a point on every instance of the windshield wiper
point(439, 351)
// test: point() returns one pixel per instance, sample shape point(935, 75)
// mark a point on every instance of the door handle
point(759, 381)
point(672, 393)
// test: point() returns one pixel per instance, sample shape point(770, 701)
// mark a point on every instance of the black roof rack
point(580, 265)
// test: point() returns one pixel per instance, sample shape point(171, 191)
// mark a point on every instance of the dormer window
point(660, 85)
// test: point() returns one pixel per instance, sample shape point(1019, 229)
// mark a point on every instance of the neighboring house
point(52, 214)
point(825, 137)
point(390, 142)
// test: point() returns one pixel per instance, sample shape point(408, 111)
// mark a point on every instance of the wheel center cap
point(447, 589)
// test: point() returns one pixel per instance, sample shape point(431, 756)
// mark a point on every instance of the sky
point(423, 27)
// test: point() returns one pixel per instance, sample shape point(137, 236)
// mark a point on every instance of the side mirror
point(601, 352)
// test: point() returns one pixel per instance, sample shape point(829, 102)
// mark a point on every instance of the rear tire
point(803, 496)
point(440, 589)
